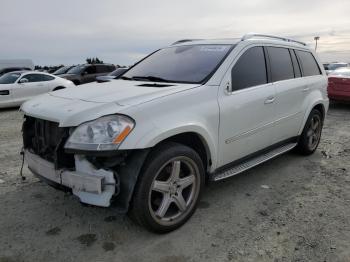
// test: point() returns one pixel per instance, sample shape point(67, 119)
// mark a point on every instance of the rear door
point(290, 92)
point(247, 110)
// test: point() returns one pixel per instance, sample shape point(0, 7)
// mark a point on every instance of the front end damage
point(96, 179)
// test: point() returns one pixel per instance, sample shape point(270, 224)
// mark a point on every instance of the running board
point(235, 170)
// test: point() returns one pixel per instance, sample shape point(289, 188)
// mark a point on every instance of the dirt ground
point(292, 208)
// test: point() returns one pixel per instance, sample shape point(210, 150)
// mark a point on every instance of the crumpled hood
point(122, 92)
point(73, 106)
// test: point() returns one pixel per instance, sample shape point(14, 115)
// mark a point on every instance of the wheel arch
point(322, 106)
point(194, 141)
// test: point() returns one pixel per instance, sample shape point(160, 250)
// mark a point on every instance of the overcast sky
point(121, 32)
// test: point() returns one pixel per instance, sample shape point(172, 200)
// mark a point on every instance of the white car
point(195, 111)
point(20, 86)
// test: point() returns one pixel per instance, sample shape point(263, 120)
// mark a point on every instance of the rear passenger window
point(308, 63)
point(297, 72)
point(250, 69)
point(281, 64)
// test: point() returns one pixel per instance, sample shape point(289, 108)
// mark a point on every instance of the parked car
point(19, 86)
point(112, 75)
point(192, 112)
point(12, 69)
point(333, 66)
point(63, 70)
point(87, 73)
point(339, 84)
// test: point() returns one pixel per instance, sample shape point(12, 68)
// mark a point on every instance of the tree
point(94, 60)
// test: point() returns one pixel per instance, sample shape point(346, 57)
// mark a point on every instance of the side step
point(237, 169)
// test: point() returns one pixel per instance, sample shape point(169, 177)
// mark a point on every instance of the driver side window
point(91, 70)
point(33, 78)
point(249, 70)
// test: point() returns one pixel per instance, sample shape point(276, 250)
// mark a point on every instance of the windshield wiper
point(151, 78)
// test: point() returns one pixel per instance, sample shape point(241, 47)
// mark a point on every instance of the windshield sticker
point(214, 48)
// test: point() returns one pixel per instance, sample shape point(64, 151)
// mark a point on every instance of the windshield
point(182, 64)
point(335, 66)
point(62, 70)
point(9, 78)
point(341, 72)
point(76, 70)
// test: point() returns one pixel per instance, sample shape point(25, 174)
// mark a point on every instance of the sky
point(122, 32)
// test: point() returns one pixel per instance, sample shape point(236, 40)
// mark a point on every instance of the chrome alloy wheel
point(174, 190)
point(314, 132)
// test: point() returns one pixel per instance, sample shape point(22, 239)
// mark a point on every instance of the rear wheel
point(311, 135)
point(168, 189)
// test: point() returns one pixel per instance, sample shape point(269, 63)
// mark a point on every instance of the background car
point(62, 70)
point(333, 66)
point(87, 73)
point(19, 86)
point(339, 84)
point(12, 69)
point(112, 75)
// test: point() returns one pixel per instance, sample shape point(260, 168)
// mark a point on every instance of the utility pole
point(316, 38)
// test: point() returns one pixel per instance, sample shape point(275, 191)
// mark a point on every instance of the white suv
point(195, 111)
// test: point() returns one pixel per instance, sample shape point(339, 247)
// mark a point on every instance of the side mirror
point(84, 73)
point(23, 80)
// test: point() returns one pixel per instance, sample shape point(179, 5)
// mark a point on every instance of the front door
point(246, 102)
point(33, 86)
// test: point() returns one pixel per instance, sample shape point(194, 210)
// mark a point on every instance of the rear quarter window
point(308, 63)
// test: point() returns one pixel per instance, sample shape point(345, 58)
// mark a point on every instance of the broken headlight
point(105, 133)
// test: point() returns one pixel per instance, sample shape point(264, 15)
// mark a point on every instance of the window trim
point(295, 66)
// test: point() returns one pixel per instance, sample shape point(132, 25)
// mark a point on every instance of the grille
point(46, 139)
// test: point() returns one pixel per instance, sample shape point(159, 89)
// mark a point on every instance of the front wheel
point(169, 188)
point(311, 135)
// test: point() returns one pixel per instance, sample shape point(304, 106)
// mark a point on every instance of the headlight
point(105, 133)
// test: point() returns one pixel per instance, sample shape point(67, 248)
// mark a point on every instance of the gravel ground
point(290, 209)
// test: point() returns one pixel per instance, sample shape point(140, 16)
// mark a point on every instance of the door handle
point(269, 100)
point(306, 89)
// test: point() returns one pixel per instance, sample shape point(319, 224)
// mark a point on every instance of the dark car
point(62, 70)
point(13, 69)
point(112, 75)
point(87, 73)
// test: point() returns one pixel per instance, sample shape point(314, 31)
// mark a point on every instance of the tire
point(168, 188)
point(311, 135)
point(76, 82)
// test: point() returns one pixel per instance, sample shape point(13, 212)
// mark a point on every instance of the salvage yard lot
point(290, 209)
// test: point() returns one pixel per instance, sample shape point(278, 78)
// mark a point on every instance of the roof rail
point(251, 35)
point(184, 41)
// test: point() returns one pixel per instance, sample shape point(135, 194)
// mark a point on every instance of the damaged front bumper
point(92, 186)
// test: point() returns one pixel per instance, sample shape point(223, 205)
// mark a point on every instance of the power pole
point(316, 38)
